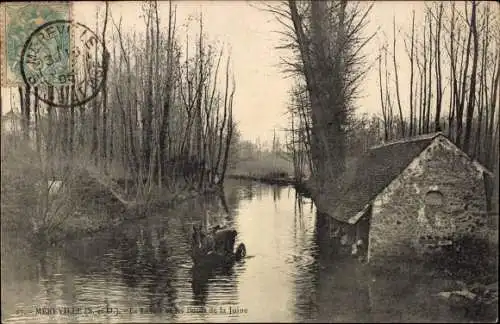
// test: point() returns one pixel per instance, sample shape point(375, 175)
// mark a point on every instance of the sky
point(261, 97)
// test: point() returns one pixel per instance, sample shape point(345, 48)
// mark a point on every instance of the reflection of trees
point(306, 272)
point(276, 192)
point(260, 190)
point(342, 292)
point(49, 264)
point(146, 258)
point(218, 208)
point(337, 289)
point(161, 272)
point(298, 206)
point(202, 275)
point(144, 255)
point(247, 190)
point(231, 199)
point(250, 189)
point(128, 265)
point(321, 234)
point(305, 292)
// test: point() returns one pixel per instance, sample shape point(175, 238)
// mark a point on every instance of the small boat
point(215, 247)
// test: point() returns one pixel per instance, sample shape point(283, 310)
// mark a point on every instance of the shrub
point(34, 207)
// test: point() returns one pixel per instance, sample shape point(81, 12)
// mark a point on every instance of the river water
point(142, 272)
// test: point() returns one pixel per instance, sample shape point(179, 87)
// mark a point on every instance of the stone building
point(409, 197)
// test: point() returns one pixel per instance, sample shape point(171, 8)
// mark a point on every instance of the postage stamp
point(18, 22)
point(66, 61)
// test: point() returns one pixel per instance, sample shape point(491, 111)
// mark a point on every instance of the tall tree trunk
point(147, 111)
point(50, 125)
point(95, 115)
point(310, 78)
point(401, 119)
point(384, 109)
point(388, 101)
point(461, 105)
point(472, 88)
point(424, 86)
point(481, 139)
point(36, 112)
point(429, 86)
point(439, 91)
point(453, 77)
point(164, 129)
point(224, 120)
point(63, 94)
point(493, 101)
point(72, 127)
point(229, 136)
point(22, 103)
point(411, 72)
point(26, 111)
point(105, 60)
point(199, 124)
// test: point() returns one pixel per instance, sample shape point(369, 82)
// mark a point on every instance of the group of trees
point(262, 159)
point(255, 149)
point(454, 71)
point(163, 118)
point(326, 39)
point(454, 67)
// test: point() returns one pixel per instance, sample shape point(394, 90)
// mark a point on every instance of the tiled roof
point(371, 174)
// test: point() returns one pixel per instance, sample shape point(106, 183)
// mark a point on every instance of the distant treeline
point(257, 160)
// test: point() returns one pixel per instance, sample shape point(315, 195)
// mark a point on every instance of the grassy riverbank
point(270, 168)
point(85, 215)
point(38, 212)
point(101, 220)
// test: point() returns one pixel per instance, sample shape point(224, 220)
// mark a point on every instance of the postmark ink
point(67, 57)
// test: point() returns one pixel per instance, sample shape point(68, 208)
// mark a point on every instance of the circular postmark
point(66, 62)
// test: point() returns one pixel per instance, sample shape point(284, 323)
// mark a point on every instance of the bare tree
point(472, 87)
point(396, 80)
point(437, 60)
point(325, 38)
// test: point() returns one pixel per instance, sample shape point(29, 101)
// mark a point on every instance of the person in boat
point(217, 240)
point(210, 241)
point(224, 239)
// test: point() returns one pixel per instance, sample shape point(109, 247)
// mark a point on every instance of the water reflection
point(276, 192)
point(144, 271)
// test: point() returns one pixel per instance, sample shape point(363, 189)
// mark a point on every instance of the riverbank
point(301, 187)
point(80, 207)
point(82, 225)
point(465, 287)
point(270, 179)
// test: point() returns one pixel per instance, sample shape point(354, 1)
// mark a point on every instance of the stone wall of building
point(440, 197)
point(345, 238)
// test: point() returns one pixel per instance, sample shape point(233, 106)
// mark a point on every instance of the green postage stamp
point(18, 22)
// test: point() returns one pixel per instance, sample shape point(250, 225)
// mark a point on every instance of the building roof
point(374, 171)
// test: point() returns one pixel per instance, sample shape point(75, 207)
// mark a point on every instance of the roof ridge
point(407, 140)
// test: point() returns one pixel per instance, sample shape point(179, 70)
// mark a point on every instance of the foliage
point(162, 124)
point(325, 40)
point(454, 80)
point(34, 206)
